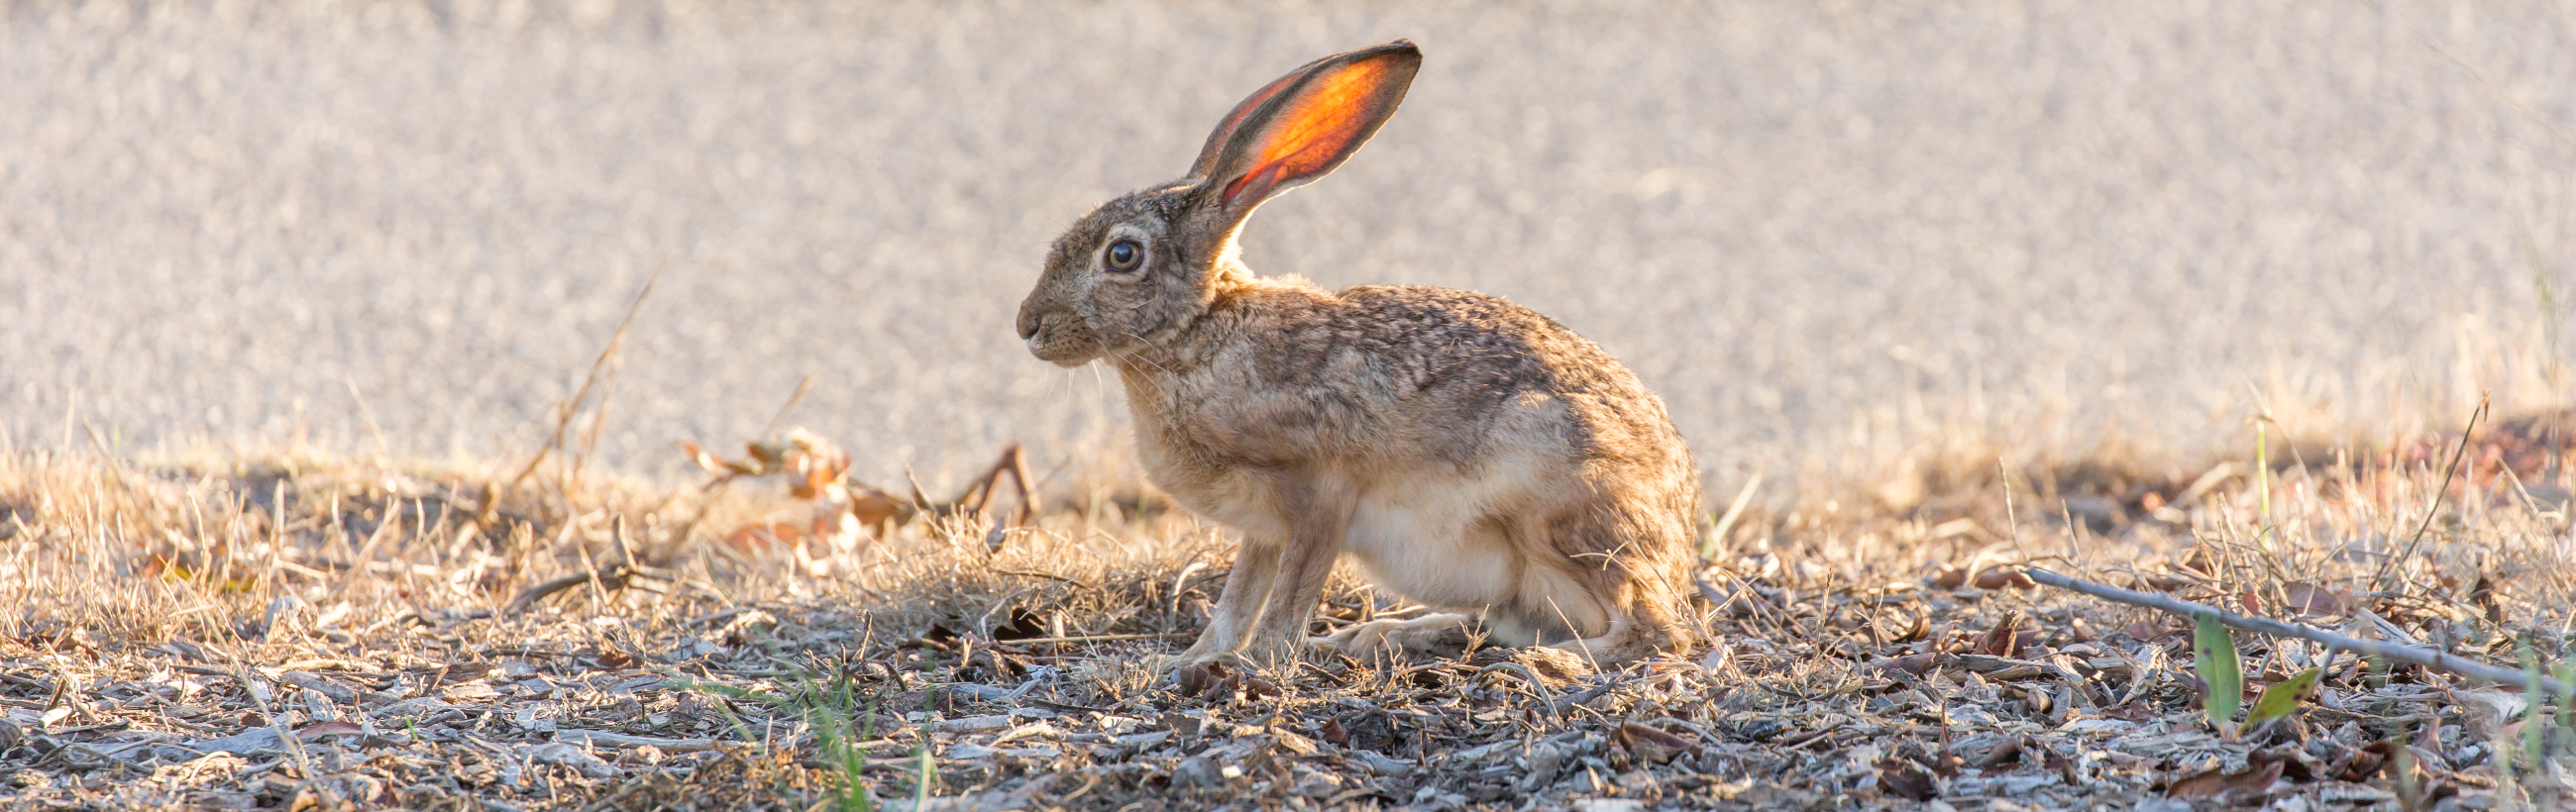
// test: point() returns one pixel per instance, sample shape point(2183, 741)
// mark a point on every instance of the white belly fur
point(1423, 535)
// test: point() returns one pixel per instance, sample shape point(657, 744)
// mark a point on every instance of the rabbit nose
point(1028, 325)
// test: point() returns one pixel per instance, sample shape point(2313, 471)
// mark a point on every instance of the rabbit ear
point(1215, 147)
point(1305, 124)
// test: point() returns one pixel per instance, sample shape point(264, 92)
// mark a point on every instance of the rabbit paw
point(1554, 666)
point(1434, 635)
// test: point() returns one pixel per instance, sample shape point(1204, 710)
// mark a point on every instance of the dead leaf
point(1906, 779)
point(1950, 577)
point(712, 464)
point(2061, 765)
point(1921, 628)
point(2006, 754)
point(1914, 664)
point(1334, 734)
point(2482, 593)
point(2000, 577)
point(1024, 625)
point(2294, 761)
point(2363, 763)
point(874, 509)
point(765, 536)
point(2004, 640)
point(2198, 562)
point(2313, 600)
point(1648, 744)
point(2255, 780)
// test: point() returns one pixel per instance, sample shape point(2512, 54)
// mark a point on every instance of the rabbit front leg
point(1247, 588)
point(1318, 522)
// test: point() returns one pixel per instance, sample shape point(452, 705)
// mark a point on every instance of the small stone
point(1197, 772)
point(1312, 783)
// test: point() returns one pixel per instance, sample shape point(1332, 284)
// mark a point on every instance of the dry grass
point(293, 631)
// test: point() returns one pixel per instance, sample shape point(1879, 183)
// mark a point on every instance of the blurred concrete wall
point(1807, 225)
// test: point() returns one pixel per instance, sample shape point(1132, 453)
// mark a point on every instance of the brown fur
point(1470, 454)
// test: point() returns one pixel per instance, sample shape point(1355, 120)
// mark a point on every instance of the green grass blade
point(2213, 654)
point(2566, 673)
point(921, 783)
point(2283, 697)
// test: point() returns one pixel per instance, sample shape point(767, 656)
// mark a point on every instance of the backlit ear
point(1215, 147)
point(1305, 124)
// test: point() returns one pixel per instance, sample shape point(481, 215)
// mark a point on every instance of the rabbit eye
point(1124, 255)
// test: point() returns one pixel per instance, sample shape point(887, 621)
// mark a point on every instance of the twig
point(792, 398)
point(1726, 524)
point(565, 412)
point(1592, 693)
point(616, 577)
point(1537, 686)
point(1097, 638)
point(1046, 575)
point(2386, 566)
point(602, 738)
point(1014, 463)
point(2428, 658)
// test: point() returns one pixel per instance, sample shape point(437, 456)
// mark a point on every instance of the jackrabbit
point(1469, 454)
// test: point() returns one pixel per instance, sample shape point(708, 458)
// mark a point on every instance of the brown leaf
point(1914, 664)
point(2310, 599)
point(709, 462)
point(873, 509)
point(1024, 625)
point(764, 536)
point(2004, 640)
point(1257, 687)
point(1648, 744)
point(2059, 764)
point(615, 660)
point(2001, 577)
point(2212, 784)
point(2006, 754)
point(2294, 762)
point(1196, 679)
point(1905, 779)
point(2363, 763)
point(763, 457)
point(1921, 628)
point(2253, 605)
point(2198, 562)
point(2428, 740)
point(2151, 631)
point(1334, 733)
point(2482, 593)
point(1950, 577)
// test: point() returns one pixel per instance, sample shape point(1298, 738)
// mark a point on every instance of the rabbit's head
point(1141, 268)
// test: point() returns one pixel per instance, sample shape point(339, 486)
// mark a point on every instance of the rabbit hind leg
point(1438, 635)
point(1644, 628)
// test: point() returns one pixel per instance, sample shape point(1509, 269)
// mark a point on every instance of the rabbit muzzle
point(1058, 337)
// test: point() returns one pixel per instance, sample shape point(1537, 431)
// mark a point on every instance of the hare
point(1466, 452)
